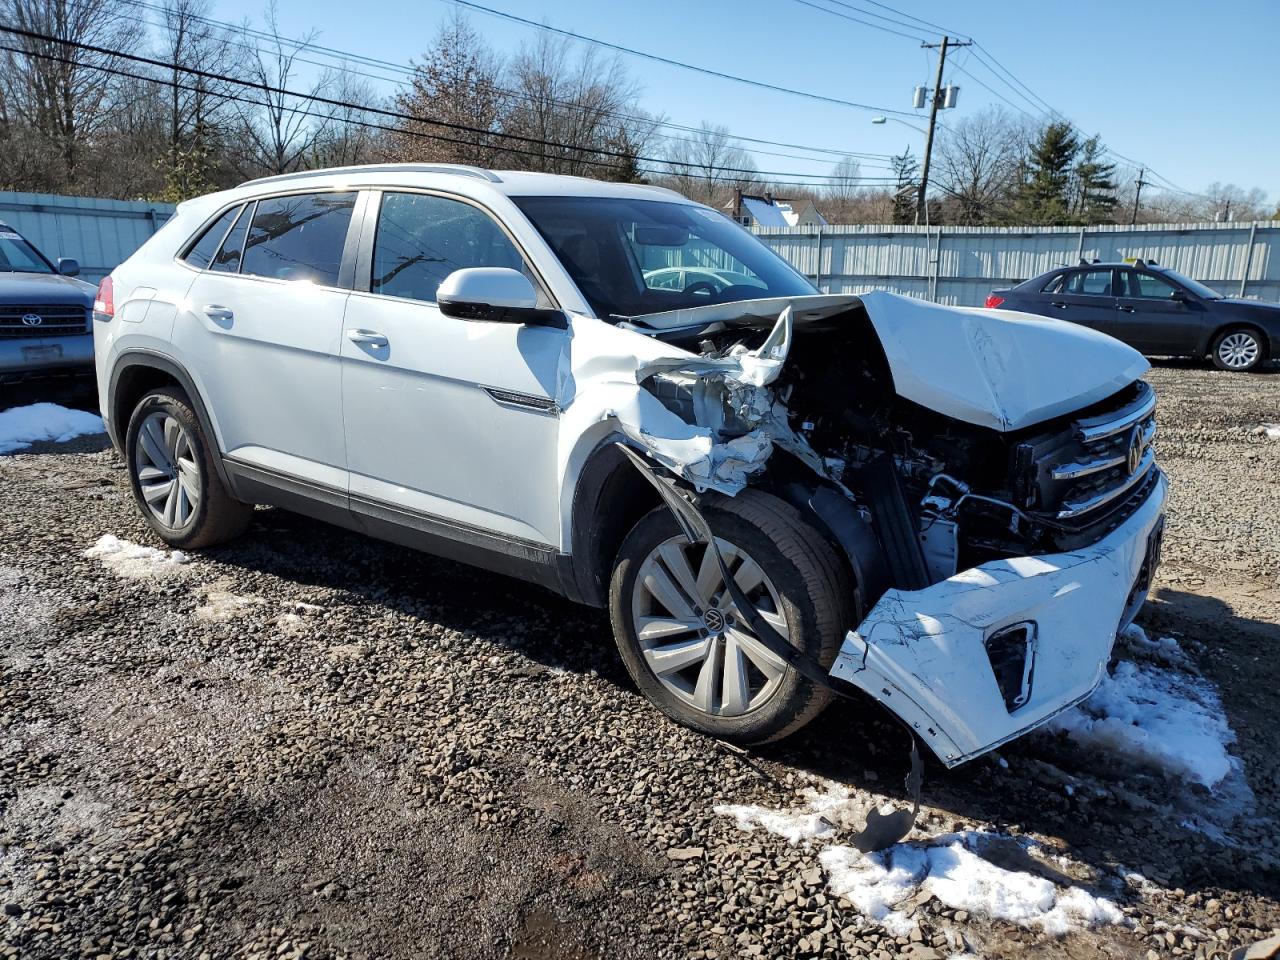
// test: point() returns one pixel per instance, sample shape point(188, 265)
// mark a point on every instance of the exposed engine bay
point(943, 495)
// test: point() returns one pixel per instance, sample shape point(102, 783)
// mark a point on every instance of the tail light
point(104, 302)
point(993, 301)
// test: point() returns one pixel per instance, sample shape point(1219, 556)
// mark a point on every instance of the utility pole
point(942, 48)
point(1138, 195)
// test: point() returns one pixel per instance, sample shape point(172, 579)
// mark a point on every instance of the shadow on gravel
point(852, 742)
point(1270, 368)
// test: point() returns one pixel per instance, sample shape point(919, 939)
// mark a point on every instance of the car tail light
point(105, 300)
point(993, 301)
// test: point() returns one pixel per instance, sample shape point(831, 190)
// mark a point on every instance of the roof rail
point(458, 169)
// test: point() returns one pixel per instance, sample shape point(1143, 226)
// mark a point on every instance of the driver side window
point(422, 238)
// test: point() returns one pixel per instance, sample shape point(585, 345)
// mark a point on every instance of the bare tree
point(59, 93)
point(198, 111)
point(277, 130)
point(576, 111)
point(459, 84)
point(350, 133)
point(708, 166)
point(977, 163)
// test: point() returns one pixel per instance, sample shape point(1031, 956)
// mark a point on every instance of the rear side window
point(201, 254)
point(228, 257)
point(1054, 285)
point(299, 237)
point(421, 239)
point(1090, 283)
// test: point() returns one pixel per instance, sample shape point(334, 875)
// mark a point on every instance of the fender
point(149, 359)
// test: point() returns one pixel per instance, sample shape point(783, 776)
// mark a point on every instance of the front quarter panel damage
point(922, 653)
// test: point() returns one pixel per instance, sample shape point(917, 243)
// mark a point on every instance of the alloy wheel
point(168, 469)
point(1239, 350)
point(692, 635)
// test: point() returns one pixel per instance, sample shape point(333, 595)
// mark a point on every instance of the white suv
point(621, 395)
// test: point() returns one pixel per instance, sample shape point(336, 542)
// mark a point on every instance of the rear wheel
point(687, 645)
point(1238, 349)
point(173, 477)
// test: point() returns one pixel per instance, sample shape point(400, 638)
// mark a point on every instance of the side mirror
point(495, 295)
point(68, 267)
point(1179, 296)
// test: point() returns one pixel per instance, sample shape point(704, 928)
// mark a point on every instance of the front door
point(447, 419)
point(263, 322)
point(1156, 317)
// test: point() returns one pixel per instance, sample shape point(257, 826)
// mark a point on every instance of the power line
point(409, 71)
point(329, 101)
point(630, 51)
point(908, 16)
point(379, 111)
point(866, 23)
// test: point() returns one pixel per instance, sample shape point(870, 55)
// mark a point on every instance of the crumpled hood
point(997, 368)
point(993, 368)
point(48, 288)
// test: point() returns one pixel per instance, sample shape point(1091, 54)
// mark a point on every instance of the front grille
point(1084, 470)
point(56, 320)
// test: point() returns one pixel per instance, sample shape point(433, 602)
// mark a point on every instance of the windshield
point(633, 257)
point(18, 256)
point(1195, 286)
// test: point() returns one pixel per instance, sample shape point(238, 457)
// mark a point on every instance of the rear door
point(1151, 317)
point(262, 325)
point(1085, 297)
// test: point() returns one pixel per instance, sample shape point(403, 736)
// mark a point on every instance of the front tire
point(1239, 350)
point(685, 644)
point(172, 473)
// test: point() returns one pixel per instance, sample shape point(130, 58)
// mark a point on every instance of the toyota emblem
point(32, 319)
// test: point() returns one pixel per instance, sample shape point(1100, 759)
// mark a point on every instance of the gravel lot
point(311, 744)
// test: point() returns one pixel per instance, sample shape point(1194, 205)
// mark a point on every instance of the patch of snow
point(22, 426)
point(1156, 717)
point(1270, 430)
point(822, 812)
point(1164, 650)
point(127, 559)
point(882, 884)
point(222, 605)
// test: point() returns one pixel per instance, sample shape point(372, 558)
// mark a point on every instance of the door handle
point(368, 338)
point(1058, 303)
point(216, 311)
point(1124, 308)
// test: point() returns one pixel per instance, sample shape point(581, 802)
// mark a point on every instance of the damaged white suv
point(623, 396)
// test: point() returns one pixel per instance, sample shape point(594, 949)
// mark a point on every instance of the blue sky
point(1181, 85)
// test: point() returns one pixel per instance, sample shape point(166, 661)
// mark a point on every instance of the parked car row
point(1155, 310)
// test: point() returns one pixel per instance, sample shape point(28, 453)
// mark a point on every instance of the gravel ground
point(311, 744)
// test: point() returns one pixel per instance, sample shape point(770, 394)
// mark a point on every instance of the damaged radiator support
point(881, 830)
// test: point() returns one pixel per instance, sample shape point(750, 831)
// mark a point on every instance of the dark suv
point(44, 313)
point(1154, 310)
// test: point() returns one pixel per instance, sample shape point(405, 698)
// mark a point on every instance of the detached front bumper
point(993, 652)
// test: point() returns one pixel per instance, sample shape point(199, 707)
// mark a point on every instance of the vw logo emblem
point(32, 319)
point(1134, 456)
point(714, 620)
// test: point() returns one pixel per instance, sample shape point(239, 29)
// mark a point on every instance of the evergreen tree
point(907, 170)
point(1096, 200)
point(1045, 197)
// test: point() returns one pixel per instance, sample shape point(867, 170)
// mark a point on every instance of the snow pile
point(817, 818)
point(1270, 430)
point(948, 868)
point(1161, 718)
point(127, 559)
point(22, 426)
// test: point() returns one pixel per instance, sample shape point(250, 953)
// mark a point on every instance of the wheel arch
point(1264, 338)
point(139, 371)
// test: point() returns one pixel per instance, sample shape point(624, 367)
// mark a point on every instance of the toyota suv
point(44, 313)
point(779, 495)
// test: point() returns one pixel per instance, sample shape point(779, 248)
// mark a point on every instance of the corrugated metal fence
point(956, 265)
point(99, 233)
point(960, 265)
